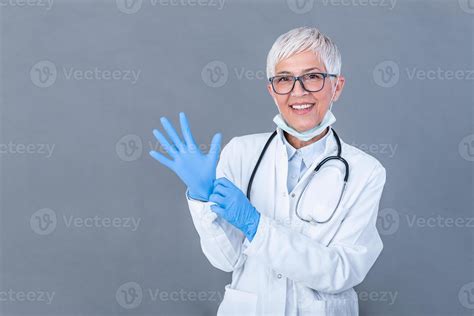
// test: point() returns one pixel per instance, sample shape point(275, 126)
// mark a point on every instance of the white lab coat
point(292, 267)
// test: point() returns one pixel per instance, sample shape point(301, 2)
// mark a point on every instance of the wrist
point(253, 226)
point(196, 196)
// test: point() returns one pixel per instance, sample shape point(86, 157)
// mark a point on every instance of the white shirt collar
point(310, 152)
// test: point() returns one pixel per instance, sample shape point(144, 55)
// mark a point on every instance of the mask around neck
point(328, 120)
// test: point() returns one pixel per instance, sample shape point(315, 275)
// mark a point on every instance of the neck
point(298, 143)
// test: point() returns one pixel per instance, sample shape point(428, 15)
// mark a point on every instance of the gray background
point(420, 128)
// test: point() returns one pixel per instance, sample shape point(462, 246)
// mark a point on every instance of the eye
point(284, 78)
point(314, 76)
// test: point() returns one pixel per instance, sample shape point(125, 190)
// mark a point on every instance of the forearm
point(221, 242)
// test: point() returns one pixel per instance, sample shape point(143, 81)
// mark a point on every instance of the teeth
point(301, 106)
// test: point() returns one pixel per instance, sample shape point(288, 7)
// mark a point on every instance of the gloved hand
point(234, 207)
point(195, 169)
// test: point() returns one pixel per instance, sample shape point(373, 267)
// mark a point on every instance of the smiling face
point(290, 105)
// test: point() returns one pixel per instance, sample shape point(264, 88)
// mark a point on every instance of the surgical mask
point(328, 120)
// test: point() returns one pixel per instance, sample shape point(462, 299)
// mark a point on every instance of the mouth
point(301, 108)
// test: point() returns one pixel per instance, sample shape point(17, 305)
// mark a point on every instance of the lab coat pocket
point(238, 303)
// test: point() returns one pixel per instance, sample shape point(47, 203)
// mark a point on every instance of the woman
point(297, 241)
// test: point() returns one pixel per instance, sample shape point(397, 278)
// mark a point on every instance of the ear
point(272, 93)
point(270, 90)
point(339, 87)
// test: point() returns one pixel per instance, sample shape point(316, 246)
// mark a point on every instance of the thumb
point(215, 147)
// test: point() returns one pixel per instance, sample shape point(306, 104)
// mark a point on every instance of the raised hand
point(195, 169)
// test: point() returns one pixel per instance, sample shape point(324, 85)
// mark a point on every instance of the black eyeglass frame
point(324, 74)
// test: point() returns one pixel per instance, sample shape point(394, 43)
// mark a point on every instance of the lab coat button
point(292, 195)
point(279, 275)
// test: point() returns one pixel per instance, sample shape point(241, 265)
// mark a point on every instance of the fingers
point(172, 133)
point(171, 150)
point(215, 147)
point(217, 198)
point(224, 182)
point(218, 210)
point(186, 131)
point(220, 189)
point(161, 158)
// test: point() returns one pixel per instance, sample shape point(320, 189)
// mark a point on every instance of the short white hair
point(299, 40)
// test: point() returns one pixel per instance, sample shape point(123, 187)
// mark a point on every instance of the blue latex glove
point(195, 169)
point(234, 207)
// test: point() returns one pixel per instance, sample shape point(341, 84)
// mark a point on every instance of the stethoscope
point(337, 157)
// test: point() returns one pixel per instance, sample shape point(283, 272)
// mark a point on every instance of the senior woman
point(292, 214)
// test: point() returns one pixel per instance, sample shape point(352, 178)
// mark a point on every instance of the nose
point(298, 89)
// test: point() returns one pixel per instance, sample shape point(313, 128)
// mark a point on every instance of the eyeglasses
point(311, 82)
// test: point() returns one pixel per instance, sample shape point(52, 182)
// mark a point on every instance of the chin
point(303, 127)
